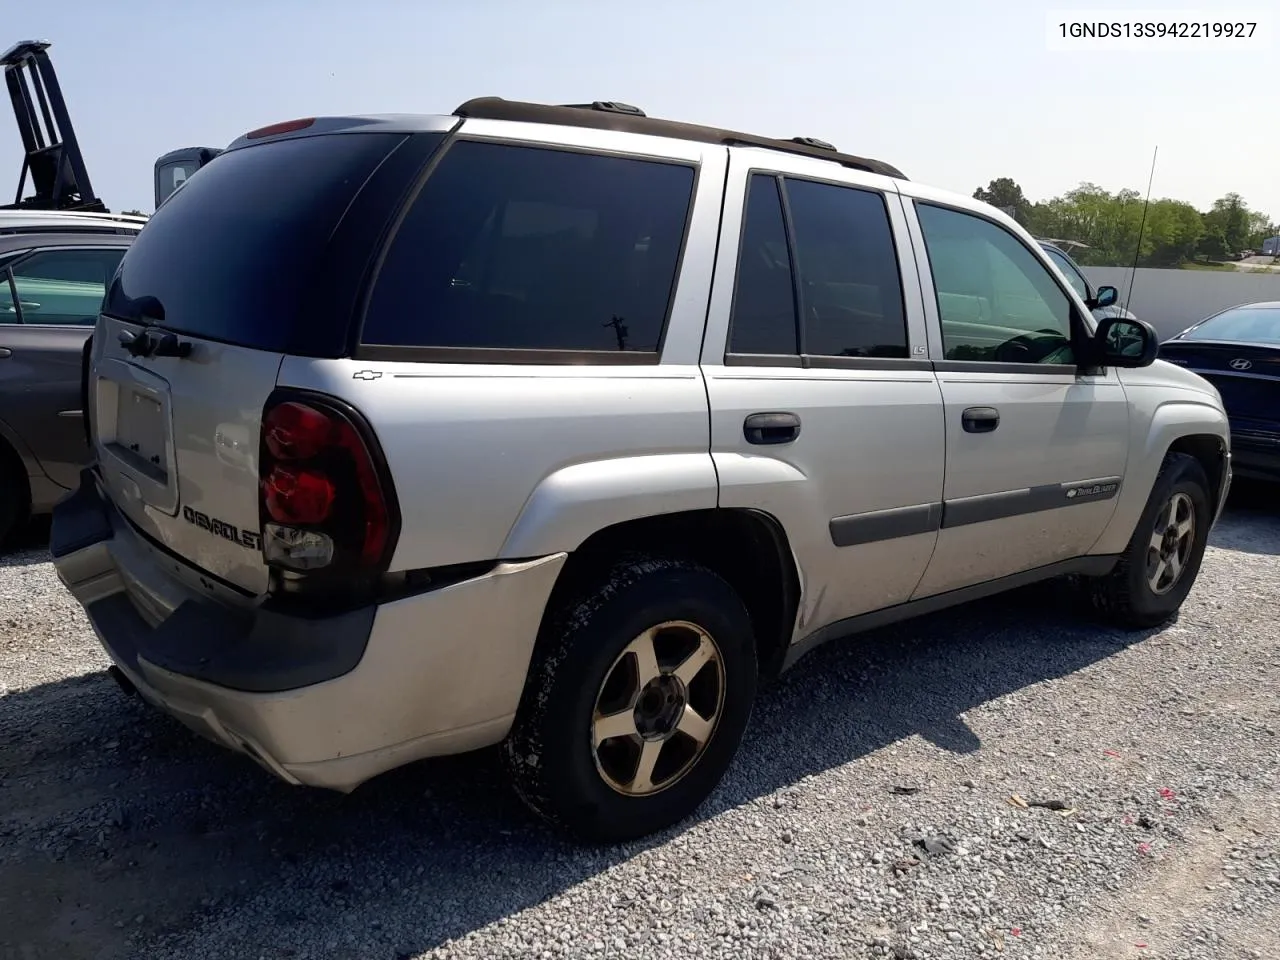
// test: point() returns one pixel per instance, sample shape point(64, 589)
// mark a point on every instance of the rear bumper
point(326, 702)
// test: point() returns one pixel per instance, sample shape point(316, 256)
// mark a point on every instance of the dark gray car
point(54, 268)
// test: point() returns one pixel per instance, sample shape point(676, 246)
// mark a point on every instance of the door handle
point(5, 352)
point(769, 428)
point(980, 419)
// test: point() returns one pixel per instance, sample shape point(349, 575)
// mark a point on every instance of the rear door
point(254, 259)
point(1036, 446)
point(50, 296)
point(824, 409)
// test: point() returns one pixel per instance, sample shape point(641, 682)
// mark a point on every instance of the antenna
point(1142, 225)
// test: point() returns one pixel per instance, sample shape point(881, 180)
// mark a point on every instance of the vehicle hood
point(1169, 376)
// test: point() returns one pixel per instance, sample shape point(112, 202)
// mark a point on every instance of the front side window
point(850, 289)
point(996, 300)
point(62, 287)
point(529, 248)
point(1070, 272)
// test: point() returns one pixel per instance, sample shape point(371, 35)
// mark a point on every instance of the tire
point(584, 663)
point(1126, 596)
point(15, 500)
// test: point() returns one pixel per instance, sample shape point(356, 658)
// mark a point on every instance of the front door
point(49, 302)
point(824, 410)
point(1036, 447)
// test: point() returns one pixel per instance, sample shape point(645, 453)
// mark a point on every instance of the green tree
point(1005, 194)
point(1260, 228)
point(1213, 245)
point(1230, 217)
point(1116, 227)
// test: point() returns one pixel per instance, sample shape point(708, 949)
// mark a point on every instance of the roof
point(624, 118)
point(68, 221)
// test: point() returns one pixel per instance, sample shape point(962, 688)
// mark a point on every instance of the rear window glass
point(1247, 324)
point(529, 248)
point(234, 255)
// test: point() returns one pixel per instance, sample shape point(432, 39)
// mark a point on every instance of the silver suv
point(562, 427)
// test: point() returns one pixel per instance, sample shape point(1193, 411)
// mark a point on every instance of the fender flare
point(575, 501)
point(1172, 421)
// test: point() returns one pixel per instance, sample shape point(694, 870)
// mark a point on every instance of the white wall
point(1172, 300)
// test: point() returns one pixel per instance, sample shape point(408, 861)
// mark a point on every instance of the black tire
point(550, 753)
point(1125, 596)
point(15, 500)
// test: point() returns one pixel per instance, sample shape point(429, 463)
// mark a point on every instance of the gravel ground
point(122, 835)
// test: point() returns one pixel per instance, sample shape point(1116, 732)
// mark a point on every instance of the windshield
point(1070, 272)
point(1245, 324)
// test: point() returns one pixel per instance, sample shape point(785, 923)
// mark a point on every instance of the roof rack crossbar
point(496, 108)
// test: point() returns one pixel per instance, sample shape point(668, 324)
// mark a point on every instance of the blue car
point(1238, 351)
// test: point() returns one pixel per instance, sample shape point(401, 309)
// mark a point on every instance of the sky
point(954, 94)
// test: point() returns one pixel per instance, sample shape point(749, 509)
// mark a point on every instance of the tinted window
point(1247, 324)
point(530, 248)
point(849, 283)
point(235, 254)
point(1070, 272)
point(764, 310)
point(997, 301)
point(61, 287)
point(174, 174)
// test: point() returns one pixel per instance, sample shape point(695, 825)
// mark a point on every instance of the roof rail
point(609, 106)
point(611, 115)
point(53, 156)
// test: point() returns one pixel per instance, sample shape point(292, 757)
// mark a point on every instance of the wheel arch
point(1176, 426)
point(748, 548)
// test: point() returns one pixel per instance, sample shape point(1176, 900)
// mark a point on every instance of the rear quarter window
point(517, 248)
point(236, 255)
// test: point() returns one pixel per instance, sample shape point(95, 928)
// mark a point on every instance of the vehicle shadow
point(116, 812)
point(1252, 521)
point(26, 545)
point(122, 834)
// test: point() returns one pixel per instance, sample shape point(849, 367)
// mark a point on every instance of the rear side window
point(842, 253)
point(849, 282)
point(63, 287)
point(528, 248)
point(235, 255)
point(764, 308)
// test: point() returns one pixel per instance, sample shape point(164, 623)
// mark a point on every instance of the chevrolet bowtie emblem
point(366, 375)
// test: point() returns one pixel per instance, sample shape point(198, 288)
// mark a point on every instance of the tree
point(1260, 228)
point(1114, 227)
point(1230, 218)
point(1006, 195)
point(1213, 245)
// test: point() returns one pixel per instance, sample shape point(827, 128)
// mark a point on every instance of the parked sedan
point(1238, 351)
point(54, 268)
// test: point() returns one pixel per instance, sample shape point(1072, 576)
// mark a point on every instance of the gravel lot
point(122, 835)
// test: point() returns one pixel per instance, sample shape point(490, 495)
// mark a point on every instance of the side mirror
point(1125, 342)
point(1105, 297)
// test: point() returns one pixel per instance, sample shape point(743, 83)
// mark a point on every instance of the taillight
point(325, 505)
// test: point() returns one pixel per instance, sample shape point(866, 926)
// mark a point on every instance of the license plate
point(140, 434)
